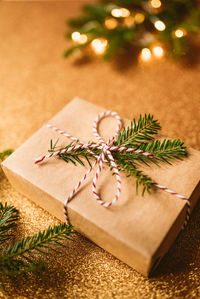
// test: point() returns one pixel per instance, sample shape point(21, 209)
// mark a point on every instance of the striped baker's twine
point(188, 204)
point(106, 152)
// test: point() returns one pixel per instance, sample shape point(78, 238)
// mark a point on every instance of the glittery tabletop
point(36, 82)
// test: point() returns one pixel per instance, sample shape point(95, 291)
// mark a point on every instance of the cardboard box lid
point(138, 230)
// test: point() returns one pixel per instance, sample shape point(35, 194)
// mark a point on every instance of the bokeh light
point(111, 23)
point(180, 32)
point(120, 12)
point(99, 45)
point(79, 38)
point(145, 54)
point(155, 3)
point(158, 51)
point(159, 25)
point(139, 18)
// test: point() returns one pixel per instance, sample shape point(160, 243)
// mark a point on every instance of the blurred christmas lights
point(111, 23)
point(159, 25)
point(180, 32)
point(139, 18)
point(79, 38)
point(158, 51)
point(129, 21)
point(76, 36)
point(120, 12)
point(99, 45)
point(125, 12)
point(125, 20)
point(155, 3)
point(145, 54)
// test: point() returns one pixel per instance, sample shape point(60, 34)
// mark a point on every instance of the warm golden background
point(35, 83)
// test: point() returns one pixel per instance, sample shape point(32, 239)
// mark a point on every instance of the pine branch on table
point(8, 217)
point(19, 257)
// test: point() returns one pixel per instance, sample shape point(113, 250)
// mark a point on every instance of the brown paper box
point(138, 230)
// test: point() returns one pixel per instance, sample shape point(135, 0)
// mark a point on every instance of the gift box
point(138, 229)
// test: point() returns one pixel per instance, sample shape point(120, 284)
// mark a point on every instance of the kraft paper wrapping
point(138, 230)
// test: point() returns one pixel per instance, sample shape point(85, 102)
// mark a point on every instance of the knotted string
point(105, 156)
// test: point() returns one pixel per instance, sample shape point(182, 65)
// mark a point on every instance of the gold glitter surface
point(36, 82)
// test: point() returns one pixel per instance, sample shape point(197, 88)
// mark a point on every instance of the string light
point(159, 25)
point(83, 39)
point(129, 21)
point(155, 3)
point(99, 45)
point(111, 23)
point(180, 32)
point(145, 54)
point(120, 12)
point(158, 51)
point(125, 12)
point(79, 38)
point(76, 36)
point(116, 12)
point(139, 18)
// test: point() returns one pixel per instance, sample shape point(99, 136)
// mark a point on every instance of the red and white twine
point(105, 156)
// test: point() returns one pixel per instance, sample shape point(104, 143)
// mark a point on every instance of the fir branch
point(18, 257)
point(75, 156)
point(166, 150)
point(14, 267)
point(38, 241)
point(8, 217)
point(139, 131)
point(5, 153)
point(162, 151)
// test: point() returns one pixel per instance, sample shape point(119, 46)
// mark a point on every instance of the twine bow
point(105, 156)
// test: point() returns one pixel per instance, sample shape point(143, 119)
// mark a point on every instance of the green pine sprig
point(141, 179)
point(139, 135)
point(76, 156)
point(142, 130)
point(20, 256)
point(166, 150)
point(8, 217)
point(5, 153)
